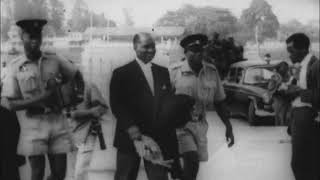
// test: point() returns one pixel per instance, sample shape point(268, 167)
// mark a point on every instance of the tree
point(260, 14)
point(99, 20)
point(181, 17)
point(6, 19)
point(80, 16)
point(30, 9)
point(294, 26)
point(205, 20)
point(56, 17)
point(128, 17)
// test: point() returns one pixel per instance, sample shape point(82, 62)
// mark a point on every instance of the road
point(260, 153)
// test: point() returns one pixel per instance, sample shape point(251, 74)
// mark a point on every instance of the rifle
point(72, 96)
point(96, 130)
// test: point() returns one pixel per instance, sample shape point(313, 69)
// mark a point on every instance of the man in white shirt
point(305, 97)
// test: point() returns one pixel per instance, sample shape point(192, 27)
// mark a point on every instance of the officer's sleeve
point(67, 69)
point(220, 94)
point(10, 86)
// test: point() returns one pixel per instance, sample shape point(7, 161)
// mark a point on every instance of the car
point(246, 87)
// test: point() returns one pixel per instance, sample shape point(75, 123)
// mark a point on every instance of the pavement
point(259, 153)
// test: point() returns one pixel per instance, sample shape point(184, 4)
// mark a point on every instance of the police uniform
point(43, 130)
point(205, 88)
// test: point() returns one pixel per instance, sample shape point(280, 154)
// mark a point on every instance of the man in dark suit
point(135, 93)
point(305, 127)
point(9, 137)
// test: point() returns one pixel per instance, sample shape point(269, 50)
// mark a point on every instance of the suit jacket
point(9, 137)
point(312, 94)
point(133, 103)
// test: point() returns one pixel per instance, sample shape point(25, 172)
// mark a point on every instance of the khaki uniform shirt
point(45, 132)
point(26, 79)
point(206, 88)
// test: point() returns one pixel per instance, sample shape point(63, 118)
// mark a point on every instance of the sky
point(146, 12)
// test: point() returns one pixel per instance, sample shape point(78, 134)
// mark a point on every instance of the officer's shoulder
point(16, 62)
point(55, 56)
point(51, 55)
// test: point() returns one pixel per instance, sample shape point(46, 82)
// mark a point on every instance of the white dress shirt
point(302, 81)
point(147, 71)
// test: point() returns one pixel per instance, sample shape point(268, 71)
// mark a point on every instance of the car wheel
point(251, 114)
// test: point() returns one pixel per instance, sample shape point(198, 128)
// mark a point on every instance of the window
point(239, 75)
point(232, 75)
point(235, 75)
point(258, 76)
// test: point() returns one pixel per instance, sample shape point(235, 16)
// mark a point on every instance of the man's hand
point(148, 149)
point(139, 145)
point(164, 163)
point(229, 136)
point(98, 111)
point(134, 133)
point(5, 102)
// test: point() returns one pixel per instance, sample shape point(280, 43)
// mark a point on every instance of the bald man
point(135, 92)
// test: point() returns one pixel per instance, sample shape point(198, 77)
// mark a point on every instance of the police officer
point(199, 79)
point(305, 113)
point(30, 88)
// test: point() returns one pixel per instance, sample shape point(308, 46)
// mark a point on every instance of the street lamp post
point(257, 31)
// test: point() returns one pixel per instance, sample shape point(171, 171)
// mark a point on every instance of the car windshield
point(259, 75)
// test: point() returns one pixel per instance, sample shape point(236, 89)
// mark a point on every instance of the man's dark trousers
point(305, 160)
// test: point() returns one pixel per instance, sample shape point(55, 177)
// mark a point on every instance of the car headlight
point(266, 98)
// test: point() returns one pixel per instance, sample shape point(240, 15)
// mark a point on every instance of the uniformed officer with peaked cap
point(31, 88)
point(32, 26)
point(194, 40)
point(195, 77)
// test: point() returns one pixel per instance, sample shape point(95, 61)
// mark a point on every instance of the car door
point(229, 84)
point(233, 88)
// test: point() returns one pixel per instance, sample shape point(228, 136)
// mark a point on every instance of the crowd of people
point(160, 112)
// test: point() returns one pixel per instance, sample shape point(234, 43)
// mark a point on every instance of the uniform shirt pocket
point(29, 82)
point(206, 90)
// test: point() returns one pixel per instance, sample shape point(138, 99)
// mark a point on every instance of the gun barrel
point(101, 141)
point(97, 126)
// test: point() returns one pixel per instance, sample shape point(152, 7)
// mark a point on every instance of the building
point(126, 33)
